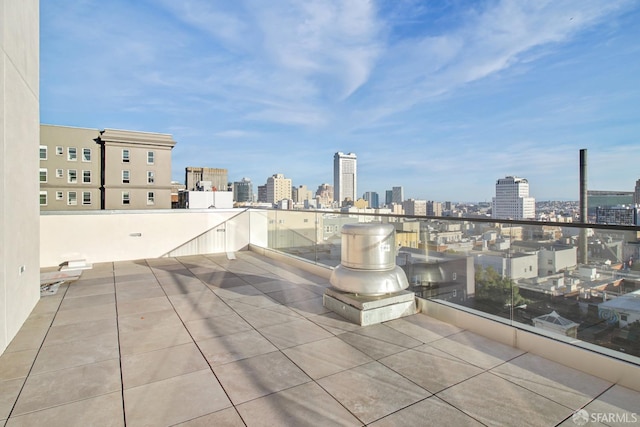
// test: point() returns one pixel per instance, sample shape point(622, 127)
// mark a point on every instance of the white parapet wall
point(106, 236)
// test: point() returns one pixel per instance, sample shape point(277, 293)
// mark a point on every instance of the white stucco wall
point(19, 185)
point(105, 236)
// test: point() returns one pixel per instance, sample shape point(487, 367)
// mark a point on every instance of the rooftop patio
point(204, 340)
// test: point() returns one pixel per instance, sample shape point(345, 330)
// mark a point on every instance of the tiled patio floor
point(207, 341)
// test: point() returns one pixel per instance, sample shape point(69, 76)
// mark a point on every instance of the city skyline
point(440, 99)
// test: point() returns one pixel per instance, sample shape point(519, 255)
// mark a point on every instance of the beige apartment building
point(110, 169)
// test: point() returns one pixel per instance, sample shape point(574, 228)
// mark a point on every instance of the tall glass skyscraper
point(344, 177)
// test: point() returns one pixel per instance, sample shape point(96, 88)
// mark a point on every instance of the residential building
point(278, 188)
point(512, 199)
point(89, 169)
point(136, 172)
point(415, 207)
point(216, 176)
point(636, 193)
point(300, 194)
point(70, 169)
point(243, 191)
point(345, 177)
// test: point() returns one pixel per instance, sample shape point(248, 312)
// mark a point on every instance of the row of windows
point(72, 176)
point(72, 198)
point(72, 154)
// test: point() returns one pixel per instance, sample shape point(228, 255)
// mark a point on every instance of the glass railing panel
point(563, 279)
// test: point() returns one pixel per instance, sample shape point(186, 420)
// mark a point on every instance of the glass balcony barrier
point(576, 282)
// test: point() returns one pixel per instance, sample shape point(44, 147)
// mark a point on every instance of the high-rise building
point(216, 176)
point(324, 194)
point(372, 198)
point(636, 193)
point(278, 188)
point(388, 197)
point(434, 208)
point(397, 195)
point(262, 193)
point(300, 194)
point(415, 207)
point(345, 177)
point(243, 191)
point(82, 169)
point(512, 199)
point(617, 215)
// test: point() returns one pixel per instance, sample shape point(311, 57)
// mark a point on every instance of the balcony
point(216, 318)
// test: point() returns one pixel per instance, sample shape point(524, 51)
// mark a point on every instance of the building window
point(125, 198)
point(59, 173)
point(43, 152)
point(125, 156)
point(151, 198)
point(86, 197)
point(125, 177)
point(72, 154)
point(43, 175)
point(151, 177)
point(150, 157)
point(86, 177)
point(43, 198)
point(72, 176)
point(59, 150)
point(59, 195)
point(86, 154)
point(72, 198)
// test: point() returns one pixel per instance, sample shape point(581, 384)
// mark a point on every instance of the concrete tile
point(559, 383)
point(132, 293)
point(105, 410)
point(432, 411)
point(27, 338)
point(267, 317)
point(145, 368)
point(16, 364)
point(178, 289)
point(372, 391)
point(49, 304)
point(433, 372)
point(174, 400)
point(9, 391)
point(309, 307)
point(199, 306)
point(77, 331)
point(304, 405)
point(297, 332)
point(87, 301)
point(143, 305)
point(289, 296)
point(616, 407)
point(479, 397)
point(142, 341)
point(421, 328)
point(230, 348)
point(477, 350)
point(258, 376)
point(389, 335)
point(270, 284)
point(78, 352)
point(254, 302)
point(225, 418)
point(326, 357)
point(212, 327)
point(372, 347)
point(68, 385)
point(334, 323)
point(78, 289)
point(85, 314)
point(150, 320)
point(236, 292)
point(221, 279)
point(103, 279)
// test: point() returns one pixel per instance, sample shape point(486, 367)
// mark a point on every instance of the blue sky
point(440, 97)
